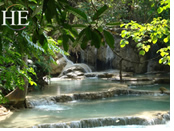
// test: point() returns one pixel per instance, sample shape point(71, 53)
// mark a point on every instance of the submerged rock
point(56, 69)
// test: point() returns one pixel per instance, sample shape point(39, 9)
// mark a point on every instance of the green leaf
point(38, 9)
point(159, 10)
point(109, 38)
point(79, 26)
point(51, 7)
point(139, 45)
point(48, 16)
point(79, 38)
point(100, 12)
point(113, 24)
point(60, 41)
point(65, 42)
point(33, 1)
point(63, 15)
point(72, 30)
point(88, 32)
point(32, 82)
point(1, 3)
point(146, 48)
point(160, 61)
point(71, 38)
point(142, 52)
point(126, 42)
point(162, 54)
point(0, 46)
point(96, 38)
point(122, 25)
point(100, 29)
point(123, 43)
point(154, 41)
point(84, 43)
point(77, 13)
point(166, 39)
point(149, 40)
point(43, 42)
point(123, 33)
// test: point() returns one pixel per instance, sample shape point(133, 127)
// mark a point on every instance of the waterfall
point(111, 121)
point(86, 68)
point(74, 69)
point(95, 51)
point(40, 101)
point(85, 58)
point(85, 96)
point(69, 62)
point(49, 103)
point(109, 57)
point(82, 55)
point(109, 54)
point(51, 100)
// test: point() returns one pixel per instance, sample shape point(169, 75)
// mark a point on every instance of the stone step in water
point(113, 121)
point(44, 110)
point(113, 92)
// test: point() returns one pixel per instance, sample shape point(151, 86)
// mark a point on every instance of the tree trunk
point(121, 60)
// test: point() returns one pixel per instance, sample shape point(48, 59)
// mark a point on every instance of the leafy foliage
point(31, 42)
point(157, 31)
point(75, 23)
point(44, 17)
point(165, 54)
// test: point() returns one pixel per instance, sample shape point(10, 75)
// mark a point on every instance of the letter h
point(12, 18)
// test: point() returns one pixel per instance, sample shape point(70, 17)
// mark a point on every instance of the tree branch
point(136, 62)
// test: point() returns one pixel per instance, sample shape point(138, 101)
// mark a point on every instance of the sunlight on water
point(53, 107)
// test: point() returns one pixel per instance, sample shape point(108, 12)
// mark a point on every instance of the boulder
point(74, 71)
point(56, 69)
point(3, 111)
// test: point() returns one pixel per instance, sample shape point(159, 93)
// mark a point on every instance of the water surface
point(60, 87)
point(76, 110)
point(119, 106)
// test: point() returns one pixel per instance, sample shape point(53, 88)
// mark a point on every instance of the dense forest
point(55, 26)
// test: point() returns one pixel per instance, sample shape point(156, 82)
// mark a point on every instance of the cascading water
point(82, 56)
point(71, 66)
point(109, 56)
point(69, 62)
point(82, 65)
point(76, 109)
point(98, 58)
point(102, 122)
point(83, 110)
point(95, 51)
point(103, 106)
